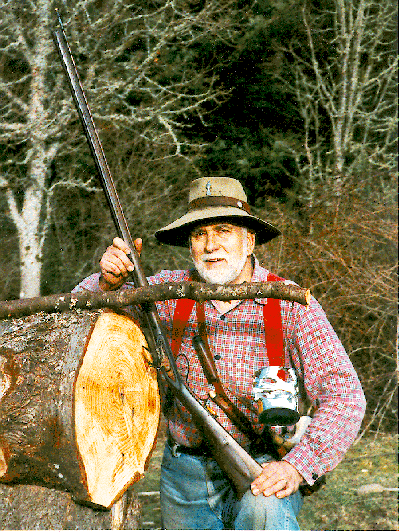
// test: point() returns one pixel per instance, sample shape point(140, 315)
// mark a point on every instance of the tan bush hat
point(213, 198)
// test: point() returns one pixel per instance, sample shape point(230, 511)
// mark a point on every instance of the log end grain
point(117, 407)
point(5, 383)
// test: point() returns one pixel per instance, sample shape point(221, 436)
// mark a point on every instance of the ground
point(340, 505)
point(354, 498)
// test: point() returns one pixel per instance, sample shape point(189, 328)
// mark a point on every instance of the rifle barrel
point(240, 467)
point(157, 339)
point(97, 149)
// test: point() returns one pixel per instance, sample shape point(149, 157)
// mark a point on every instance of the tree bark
point(37, 508)
point(160, 292)
point(79, 404)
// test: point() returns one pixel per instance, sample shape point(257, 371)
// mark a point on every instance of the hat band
point(219, 201)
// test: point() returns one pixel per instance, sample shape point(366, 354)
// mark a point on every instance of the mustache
point(206, 257)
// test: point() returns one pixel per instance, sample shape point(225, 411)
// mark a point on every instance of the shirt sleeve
point(332, 385)
point(91, 283)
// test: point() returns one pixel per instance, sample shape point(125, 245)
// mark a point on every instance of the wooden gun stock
point(238, 465)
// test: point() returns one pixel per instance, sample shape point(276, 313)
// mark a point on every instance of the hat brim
point(177, 233)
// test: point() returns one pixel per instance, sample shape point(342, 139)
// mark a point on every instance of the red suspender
point(272, 326)
point(182, 313)
point(273, 329)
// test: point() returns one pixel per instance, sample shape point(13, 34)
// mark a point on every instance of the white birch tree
point(27, 124)
point(132, 84)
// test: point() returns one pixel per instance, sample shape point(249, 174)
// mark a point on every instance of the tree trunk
point(30, 242)
point(39, 508)
point(32, 221)
point(79, 404)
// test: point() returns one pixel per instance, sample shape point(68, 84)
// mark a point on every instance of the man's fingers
point(274, 486)
point(138, 245)
point(115, 264)
point(279, 478)
point(120, 244)
point(281, 488)
point(288, 490)
point(117, 257)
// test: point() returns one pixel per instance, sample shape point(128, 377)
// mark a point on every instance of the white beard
point(222, 276)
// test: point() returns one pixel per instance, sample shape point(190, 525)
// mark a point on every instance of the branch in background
point(160, 292)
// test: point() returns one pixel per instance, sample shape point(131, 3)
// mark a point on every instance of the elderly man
point(222, 233)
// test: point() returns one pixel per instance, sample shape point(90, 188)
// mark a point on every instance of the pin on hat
point(214, 199)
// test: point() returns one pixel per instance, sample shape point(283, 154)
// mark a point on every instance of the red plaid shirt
point(237, 338)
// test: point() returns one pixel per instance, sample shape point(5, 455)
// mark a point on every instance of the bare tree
point(345, 83)
point(341, 64)
point(140, 79)
point(350, 263)
point(26, 124)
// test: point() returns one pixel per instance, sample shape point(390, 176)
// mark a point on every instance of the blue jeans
point(196, 495)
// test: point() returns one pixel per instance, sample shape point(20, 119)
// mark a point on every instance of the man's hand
point(115, 264)
point(279, 478)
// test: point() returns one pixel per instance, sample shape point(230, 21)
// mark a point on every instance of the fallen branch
point(160, 292)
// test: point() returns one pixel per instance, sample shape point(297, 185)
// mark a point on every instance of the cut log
point(79, 403)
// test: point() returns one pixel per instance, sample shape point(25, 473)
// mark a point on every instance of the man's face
point(221, 252)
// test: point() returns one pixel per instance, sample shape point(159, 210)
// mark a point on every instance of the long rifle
point(238, 465)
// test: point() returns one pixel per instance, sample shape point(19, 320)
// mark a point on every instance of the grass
point(337, 506)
